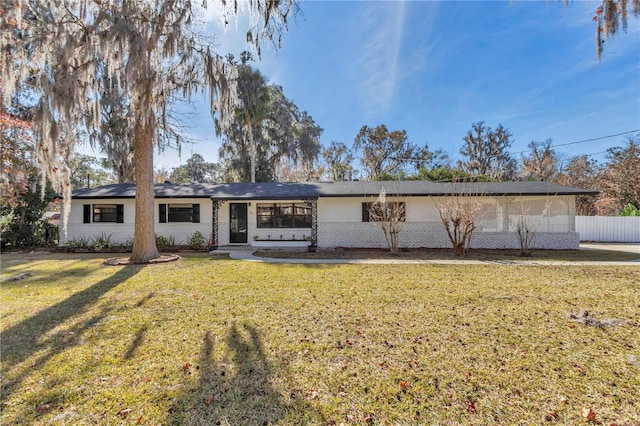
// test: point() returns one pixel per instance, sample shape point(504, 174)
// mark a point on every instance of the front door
point(238, 222)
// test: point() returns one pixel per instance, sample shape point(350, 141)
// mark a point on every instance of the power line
point(597, 139)
point(595, 153)
point(551, 146)
point(522, 152)
point(585, 140)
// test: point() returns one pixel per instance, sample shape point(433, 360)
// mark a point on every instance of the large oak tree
point(619, 180)
point(338, 158)
point(383, 152)
point(268, 133)
point(540, 163)
point(152, 49)
point(487, 152)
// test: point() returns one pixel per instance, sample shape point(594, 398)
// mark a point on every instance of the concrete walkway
point(627, 247)
point(246, 254)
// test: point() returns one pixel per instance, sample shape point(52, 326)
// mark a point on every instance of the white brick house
point(329, 214)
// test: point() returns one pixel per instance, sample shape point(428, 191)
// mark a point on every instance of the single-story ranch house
point(328, 214)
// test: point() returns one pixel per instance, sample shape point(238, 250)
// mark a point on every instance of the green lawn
point(207, 340)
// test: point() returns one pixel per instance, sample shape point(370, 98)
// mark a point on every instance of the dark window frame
point(162, 213)
point(366, 206)
point(178, 213)
point(103, 213)
point(283, 216)
point(86, 213)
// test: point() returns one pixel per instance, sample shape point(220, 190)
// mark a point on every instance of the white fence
point(610, 229)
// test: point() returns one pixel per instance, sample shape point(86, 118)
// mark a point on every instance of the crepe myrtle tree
point(154, 50)
point(526, 223)
point(389, 215)
point(459, 213)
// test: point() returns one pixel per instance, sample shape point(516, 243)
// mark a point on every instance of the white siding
point(116, 232)
point(340, 223)
point(180, 232)
point(123, 232)
point(613, 229)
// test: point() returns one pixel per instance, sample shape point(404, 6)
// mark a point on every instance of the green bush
point(630, 210)
point(196, 240)
point(34, 233)
point(22, 224)
point(103, 242)
point(163, 242)
point(81, 242)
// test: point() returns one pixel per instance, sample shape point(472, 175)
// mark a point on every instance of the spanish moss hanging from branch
point(152, 50)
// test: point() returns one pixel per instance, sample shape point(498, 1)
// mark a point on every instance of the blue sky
point(433, 68)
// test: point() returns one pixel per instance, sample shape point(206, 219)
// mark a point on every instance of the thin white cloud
point(382, 31)
point(228, 31)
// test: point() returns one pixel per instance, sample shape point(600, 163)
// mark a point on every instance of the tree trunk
point(252, 147)
point(144, 237)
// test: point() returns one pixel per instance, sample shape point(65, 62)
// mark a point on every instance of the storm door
point(238, 222)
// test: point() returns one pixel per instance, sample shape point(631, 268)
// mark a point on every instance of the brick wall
point(431, 235)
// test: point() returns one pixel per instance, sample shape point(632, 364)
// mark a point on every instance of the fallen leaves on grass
point(471, 408)
point(44, 408)
point(359, 330)
point(124, 413)
point(551, 415)
point(590, 415)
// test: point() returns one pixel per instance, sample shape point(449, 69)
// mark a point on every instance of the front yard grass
point(447, 254)
point(208, 340)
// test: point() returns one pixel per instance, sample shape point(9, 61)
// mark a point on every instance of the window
point(283, 215)
point(392, 208)
point(179, 213)
point(266, 215)
point(103, 213)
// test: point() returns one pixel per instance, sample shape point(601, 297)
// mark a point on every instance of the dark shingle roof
point(267, 190)
point(162, 190)
point(412, 188)
point(282, 190)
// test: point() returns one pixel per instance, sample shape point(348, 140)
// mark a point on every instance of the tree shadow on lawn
point(27, 337)
point(239, 391)
point(38, 277)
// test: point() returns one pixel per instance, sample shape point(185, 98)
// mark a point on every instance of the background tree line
point(287, 148)
point(485, 155)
